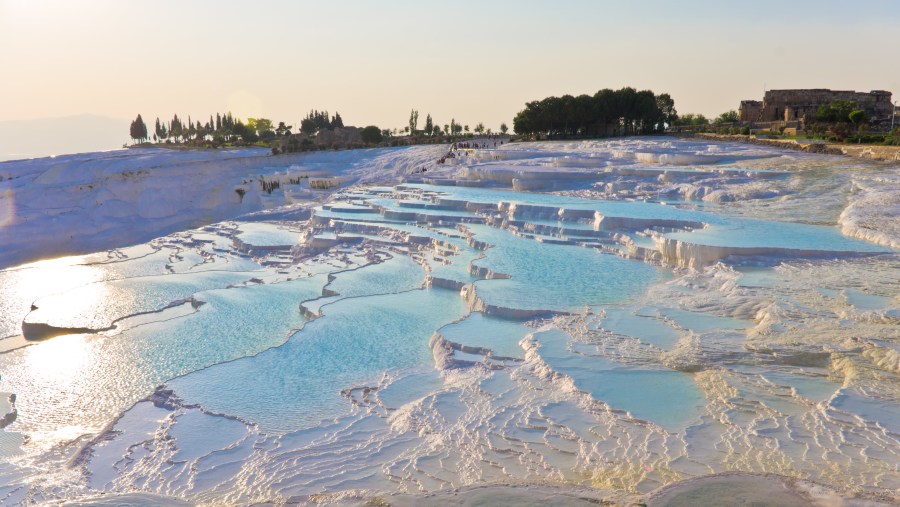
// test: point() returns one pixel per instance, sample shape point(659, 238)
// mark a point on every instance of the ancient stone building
point(801, 105)
point(341, 136)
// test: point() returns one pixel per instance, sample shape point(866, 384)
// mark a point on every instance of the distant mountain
point(58, 136)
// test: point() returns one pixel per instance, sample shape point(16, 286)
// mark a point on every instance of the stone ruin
point(800, 105)
point(343, 137)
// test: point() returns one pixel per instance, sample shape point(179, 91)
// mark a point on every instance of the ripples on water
point(435, 337)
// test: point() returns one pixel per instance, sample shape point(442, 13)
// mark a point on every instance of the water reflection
point(20, 287)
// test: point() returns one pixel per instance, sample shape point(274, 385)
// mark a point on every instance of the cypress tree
point(138, 129)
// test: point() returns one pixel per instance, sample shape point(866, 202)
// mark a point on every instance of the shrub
point(857, 116)
point(371, 135)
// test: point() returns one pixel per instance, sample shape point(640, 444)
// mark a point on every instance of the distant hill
point(57, 136)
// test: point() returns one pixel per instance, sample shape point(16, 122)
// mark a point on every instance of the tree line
point(226, 129)
point(607, 112)
point(316, 121)
point(433, 129)
point(218, 129)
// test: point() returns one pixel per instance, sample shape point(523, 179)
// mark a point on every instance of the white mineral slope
point(76, 204)
point(873, 212)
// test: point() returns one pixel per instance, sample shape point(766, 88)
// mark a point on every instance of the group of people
point(465, 146)
point(468, 146)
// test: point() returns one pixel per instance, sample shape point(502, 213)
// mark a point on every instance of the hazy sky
point(475, 61)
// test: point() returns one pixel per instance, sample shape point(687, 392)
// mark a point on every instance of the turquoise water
point(95, 305)
point(397, 274)
point(262, 234)
point(649, 329)
point(723, 231)
point(556, 277)
point(756, 233)
point(666, 397)
point(501, 336)
point(94, 376)
point(608, 208)
point(298, 384)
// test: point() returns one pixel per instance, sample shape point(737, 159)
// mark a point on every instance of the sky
point(473, 61)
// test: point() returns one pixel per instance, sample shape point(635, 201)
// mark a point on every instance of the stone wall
point(801, 105)
point(342, 136)
point(750, 110)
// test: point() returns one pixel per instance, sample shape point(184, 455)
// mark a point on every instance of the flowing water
point(642, 325)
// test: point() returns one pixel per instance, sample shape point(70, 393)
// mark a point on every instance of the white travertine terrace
point(638, 327)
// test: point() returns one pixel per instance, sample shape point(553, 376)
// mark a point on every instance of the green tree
point(479, 128)
point(727, 117)
point(283, 130)
point(308, 126)
point(667, 108)
point(261, 126)
point(246, 134)
point(413, 121)
point(837, 111)
point(857, 116)
point(160, 130)
point(429, 125)
point(138, 129)
point(191, 131)
point(503, 128)
point(371, 135)
point(176, 128)
point(201, 131)
point(691, 119)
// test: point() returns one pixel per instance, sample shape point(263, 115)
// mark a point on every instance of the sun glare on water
point(54, 276)
point(62, 359)
point(21, 289)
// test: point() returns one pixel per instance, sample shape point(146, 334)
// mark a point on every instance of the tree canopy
point(691, 119)
point(261, 126)
point(218, 129)
point(316, 121)
point(139, 129)
point(371, 135)
point(837, 111)
point(727, 117)
point(413, 121)
point(607, 112)
point(857, 116)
